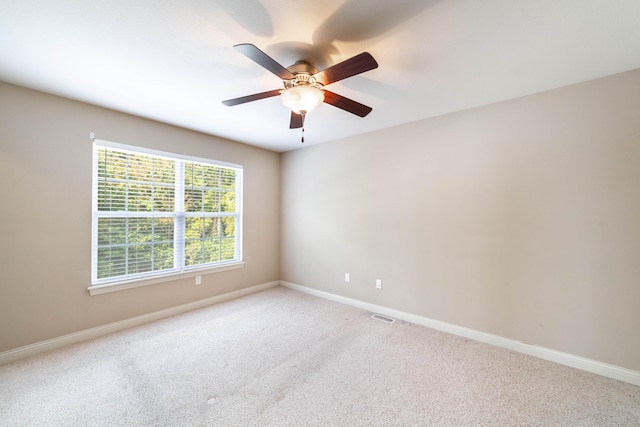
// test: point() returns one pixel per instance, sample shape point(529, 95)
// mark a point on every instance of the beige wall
point(520, 219)
point(45, 222)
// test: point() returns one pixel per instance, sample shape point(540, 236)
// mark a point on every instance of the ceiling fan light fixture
point(302, 99)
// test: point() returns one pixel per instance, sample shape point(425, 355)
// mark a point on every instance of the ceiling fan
point(304, 84)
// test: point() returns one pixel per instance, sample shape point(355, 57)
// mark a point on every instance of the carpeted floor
point(282, 358)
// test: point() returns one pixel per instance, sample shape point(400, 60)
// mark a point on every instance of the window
point(157, 213)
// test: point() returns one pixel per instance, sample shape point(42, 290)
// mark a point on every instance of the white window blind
point(156, 213)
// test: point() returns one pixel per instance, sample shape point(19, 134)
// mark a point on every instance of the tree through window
point(156, 213)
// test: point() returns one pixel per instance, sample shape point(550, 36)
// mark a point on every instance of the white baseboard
point(604, 369)
point(52, 344)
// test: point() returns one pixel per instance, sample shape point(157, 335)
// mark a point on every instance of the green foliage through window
point(154, 214)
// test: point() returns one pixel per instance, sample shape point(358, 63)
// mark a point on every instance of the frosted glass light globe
point(302, 99)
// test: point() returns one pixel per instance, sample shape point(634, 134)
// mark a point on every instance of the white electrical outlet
point(378, 283)
point(346, 277)
point(198, 280)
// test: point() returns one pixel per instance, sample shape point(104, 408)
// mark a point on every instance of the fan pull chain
point(303, 116)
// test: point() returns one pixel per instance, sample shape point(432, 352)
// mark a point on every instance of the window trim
point(162, 278)
point(133, 281)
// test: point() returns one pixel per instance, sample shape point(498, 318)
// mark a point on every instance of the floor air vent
point(382, 318)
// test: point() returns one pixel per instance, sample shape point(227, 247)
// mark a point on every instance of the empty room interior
point(204, 203)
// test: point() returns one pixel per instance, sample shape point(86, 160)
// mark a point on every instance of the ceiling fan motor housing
point(303, 75)
point(302, 67)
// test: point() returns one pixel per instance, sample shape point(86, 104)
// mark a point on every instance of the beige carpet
point(282, 358)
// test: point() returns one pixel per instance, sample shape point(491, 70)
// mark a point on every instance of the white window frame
point(99, 286)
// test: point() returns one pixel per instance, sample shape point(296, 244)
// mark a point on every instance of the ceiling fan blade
point(346, 104)
point(249, 98)
point(356, 65)
point(296, 121)
point(264, 60)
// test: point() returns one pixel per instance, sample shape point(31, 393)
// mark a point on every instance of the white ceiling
point(173, 61)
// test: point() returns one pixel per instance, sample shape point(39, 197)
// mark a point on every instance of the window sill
point(129, 284)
